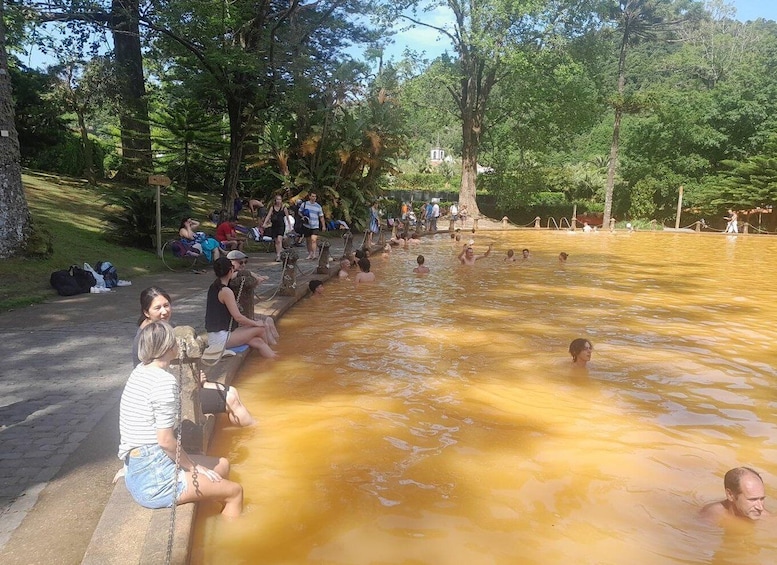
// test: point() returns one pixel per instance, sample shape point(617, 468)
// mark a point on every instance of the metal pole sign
point(159, 181)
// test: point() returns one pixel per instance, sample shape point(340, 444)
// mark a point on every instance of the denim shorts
point(149, 477)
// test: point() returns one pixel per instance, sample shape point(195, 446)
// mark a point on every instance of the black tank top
point(217, 317)
point(277, 218)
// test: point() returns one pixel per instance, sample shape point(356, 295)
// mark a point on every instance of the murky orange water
point(434, 420)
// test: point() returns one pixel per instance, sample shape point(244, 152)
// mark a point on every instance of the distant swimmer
point(510, 256)
point(468, 257)
point(364, 275)
point(580, 349)
point(316, 287)
point(525, 256)
point(345, 264)
point(421, 269)
point(562, 258)
point(745, 496)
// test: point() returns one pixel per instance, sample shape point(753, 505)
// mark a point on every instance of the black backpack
point(65, 283)
point(84, 278)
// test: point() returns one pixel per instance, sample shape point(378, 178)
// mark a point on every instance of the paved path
point(63, 365)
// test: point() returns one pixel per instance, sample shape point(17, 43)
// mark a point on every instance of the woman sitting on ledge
point(148, 412)
point(215, 398)
point(225, 325)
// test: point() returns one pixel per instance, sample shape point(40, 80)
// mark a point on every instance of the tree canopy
point(546, 104)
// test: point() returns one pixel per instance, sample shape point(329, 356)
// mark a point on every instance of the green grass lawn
point(73, 212)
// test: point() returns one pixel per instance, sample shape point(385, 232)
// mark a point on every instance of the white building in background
point(437, 156)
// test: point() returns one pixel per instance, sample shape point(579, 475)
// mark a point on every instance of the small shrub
point(40, 243)
point(132, 219)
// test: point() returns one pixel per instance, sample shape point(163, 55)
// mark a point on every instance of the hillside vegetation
point(73, 212)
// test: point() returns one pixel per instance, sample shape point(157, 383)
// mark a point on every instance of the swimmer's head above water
point(580, 349)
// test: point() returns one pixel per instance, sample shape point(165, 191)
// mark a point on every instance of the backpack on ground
point(65, 283)
point(84, 278)
point(109, 273)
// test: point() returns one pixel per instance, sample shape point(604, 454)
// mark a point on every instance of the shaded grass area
point(73, 212)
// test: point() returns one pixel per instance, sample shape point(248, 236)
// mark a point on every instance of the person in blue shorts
point(158, 472)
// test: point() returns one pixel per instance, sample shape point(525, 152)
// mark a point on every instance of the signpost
point(159, 181)
point(679, 208)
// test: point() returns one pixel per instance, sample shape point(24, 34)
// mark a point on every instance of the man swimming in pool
point(745, 496)
point(468, 257)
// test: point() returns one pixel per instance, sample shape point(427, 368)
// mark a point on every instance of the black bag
point(84, 278)
point(65, 283)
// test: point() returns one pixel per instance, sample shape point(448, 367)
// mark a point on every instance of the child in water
point(421, 269)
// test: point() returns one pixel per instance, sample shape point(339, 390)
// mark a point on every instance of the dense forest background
point(610, 106)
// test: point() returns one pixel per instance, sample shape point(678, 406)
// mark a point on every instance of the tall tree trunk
point(469, 165)
point(238, 126)
point(14, 213)
point(616, 131)
point(133, 117)
point(611, 167)
point(88, 156)
point(472, 99)
point(186, 168)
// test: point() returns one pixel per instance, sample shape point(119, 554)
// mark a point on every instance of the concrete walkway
point(64, 365)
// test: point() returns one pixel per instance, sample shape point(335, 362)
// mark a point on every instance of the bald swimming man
point(745, 496)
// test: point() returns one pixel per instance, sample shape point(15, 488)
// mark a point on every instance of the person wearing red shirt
point(227, 236)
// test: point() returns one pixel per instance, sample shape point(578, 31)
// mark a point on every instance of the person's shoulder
point(713, 512)
point(223, 287)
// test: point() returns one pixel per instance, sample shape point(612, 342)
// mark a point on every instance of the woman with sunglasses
point(239, 263)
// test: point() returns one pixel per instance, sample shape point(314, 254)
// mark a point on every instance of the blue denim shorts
point(149, 477)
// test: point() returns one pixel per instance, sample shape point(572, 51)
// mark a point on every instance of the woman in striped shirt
point(149, 448)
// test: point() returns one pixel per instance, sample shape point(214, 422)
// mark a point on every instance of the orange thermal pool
point(436, 420)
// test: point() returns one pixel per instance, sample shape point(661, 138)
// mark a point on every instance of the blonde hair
point(154, 341)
